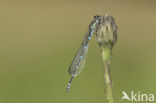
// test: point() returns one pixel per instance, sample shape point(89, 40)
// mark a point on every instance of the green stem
point(106, 55)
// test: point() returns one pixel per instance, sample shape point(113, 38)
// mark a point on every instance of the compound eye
point(97, 16)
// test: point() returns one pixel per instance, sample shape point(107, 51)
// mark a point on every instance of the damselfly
point(80, 57)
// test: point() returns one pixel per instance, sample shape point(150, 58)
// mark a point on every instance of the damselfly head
point(96, 16)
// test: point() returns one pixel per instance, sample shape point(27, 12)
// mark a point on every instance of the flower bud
point(107, 31)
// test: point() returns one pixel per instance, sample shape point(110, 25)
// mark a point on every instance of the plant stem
point(106, 56)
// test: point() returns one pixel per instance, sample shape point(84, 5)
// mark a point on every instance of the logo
point(137, 96)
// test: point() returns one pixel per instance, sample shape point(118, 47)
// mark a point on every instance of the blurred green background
point(39, 38)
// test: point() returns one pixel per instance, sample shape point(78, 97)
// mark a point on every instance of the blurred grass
point(38, 40)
